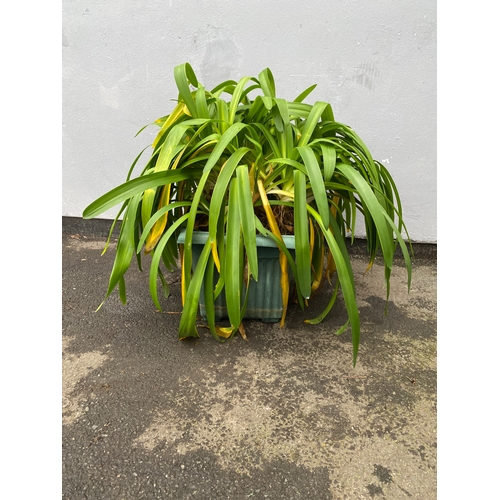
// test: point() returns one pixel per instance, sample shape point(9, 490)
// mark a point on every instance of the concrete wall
point(374, 60)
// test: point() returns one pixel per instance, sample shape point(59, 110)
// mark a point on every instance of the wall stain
point(366, 75)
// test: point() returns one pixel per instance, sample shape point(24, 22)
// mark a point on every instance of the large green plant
point(236, 161)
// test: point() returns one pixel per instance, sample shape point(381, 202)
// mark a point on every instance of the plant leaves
point(187, 326)
point(136, 186)
point(233, 262)
point(317, 182)
point(247, 219)
point(302, 247)
point(155, 261)
point(184, 75)
point(346, 282)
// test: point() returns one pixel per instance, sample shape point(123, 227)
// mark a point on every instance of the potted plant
point(236, 165)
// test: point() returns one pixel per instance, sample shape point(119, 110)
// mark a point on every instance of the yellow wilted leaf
point(157, 230)
point(282, 259)
point(177, 112)
point(224, 331)
point(183, 283)
point(215, 256)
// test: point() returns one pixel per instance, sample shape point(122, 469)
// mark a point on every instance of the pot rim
point(200, 238)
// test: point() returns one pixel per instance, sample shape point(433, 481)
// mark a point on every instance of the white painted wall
point(373, 60)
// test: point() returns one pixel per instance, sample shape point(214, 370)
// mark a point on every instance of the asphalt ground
point(282, 415)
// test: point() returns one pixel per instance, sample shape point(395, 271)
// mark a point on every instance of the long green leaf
point(404, 250)
point(155, 261)
point(329, 160)
point(201, 103)
point(233, 263)
point(126, 245)
point(272, 144)
point(312, 121)
point(184, 75)
point(112, 227)
point(221, 146)
point(170, 255)
point(354, 142)
point(238, 91)
point(375, 209)
point(317, 182)
point(131, 169)
point(223, 115)
point(266, 80)
point(282, 122)
point(220, 190)
point(299, 109)
point(246, 207)
point(187, 325)
point(157, 215)
point(226, 86)
point(256, 111)
point(318, 319)
point(136, 186)
point(301, 223)
point(346, 282)
point(305, 93)
point(123, 290)
point(224, 141)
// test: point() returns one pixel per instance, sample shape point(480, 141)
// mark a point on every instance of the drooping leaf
point(234, 258)
point(346, 282)
point(375, 210)
point(235, 101)
point(187, 326)
point(317, 182)
point(125, 247)
point(136, 186)
point(184, 75)
point(329, 160)
point(246, 208)
point(302, 248)
point(266, 80)
point(155, 261)
point(312, 121)
point(220, 190)
point(221, 146)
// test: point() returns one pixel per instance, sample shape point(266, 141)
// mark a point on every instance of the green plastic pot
point(264, 296)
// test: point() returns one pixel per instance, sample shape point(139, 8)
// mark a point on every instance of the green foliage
point(235, 165)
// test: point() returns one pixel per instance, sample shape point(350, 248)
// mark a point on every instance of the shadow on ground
point(283, 415)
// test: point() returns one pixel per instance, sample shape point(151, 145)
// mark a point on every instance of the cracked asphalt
point(280, 416)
